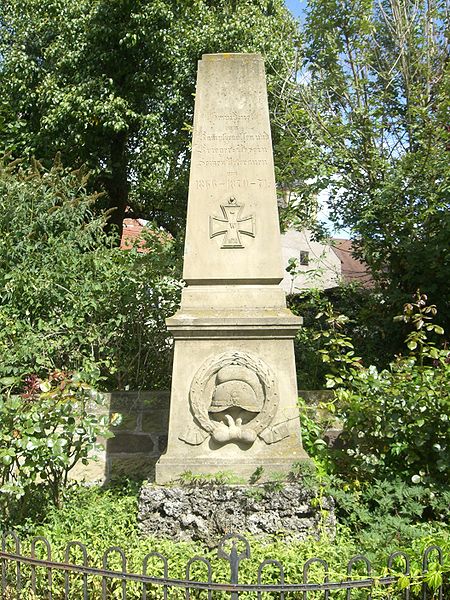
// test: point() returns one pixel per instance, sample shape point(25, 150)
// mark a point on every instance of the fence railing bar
point(163, 559)
point(359, 558)
point(123, 560)
point(265, 563)
point(204, 561)
point(425, 568)
point(306, 568)
point(407, 572)
point(15, 538)
point(201, 585)
point(69, 547)
point(76, 572)
point(41, 540)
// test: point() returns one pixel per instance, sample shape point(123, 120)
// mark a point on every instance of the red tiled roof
point(132, 229)
point(353, 269)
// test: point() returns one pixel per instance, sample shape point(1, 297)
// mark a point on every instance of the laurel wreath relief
point(230, 431)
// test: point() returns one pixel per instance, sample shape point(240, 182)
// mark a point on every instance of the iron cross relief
point(232, 225)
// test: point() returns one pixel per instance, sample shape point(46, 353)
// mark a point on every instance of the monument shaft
point(234, 394)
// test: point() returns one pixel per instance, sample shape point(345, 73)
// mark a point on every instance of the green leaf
point(8, 381)
point(434, 579)
point(403, 582)
point(45, 386)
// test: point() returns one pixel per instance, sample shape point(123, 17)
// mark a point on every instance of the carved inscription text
point(229, 147)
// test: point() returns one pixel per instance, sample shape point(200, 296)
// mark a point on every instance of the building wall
point(139, 439)
point(323, 270)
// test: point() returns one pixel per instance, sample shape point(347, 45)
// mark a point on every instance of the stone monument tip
point(233, 56)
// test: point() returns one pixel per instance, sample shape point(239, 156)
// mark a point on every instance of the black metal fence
point(25, 576)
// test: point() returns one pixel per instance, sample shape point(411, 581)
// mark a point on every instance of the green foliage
point(201, 479)
point(389, 471)
point(102, 518)
point(368, 116)
point(420, 316)
point(311, 370)
point(337, 351)
point(256, 475)
point(367, 322)
point(45, 432)
point(396, 421)
point(70, 299)
point(314, 421)
point(389, 512)
point(112, 84)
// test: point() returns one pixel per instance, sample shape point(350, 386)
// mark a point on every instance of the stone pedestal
point(234, 394)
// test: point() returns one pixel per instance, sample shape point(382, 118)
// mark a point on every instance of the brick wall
point(139, 439)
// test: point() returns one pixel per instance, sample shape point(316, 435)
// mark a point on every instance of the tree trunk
point(116, 183)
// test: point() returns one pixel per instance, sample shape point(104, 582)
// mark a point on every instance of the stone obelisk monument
point(234, 393)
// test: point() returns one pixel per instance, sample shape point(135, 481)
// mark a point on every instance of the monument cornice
point(278, 325)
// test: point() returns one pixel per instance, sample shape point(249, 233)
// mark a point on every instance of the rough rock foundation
point(206, 513)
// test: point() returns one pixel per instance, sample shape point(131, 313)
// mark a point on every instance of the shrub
point(70, 299)
point(368, 322)
point(389, 514)
point(396, 421)
point(44, 433)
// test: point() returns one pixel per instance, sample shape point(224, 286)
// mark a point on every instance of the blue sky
point(295, 6)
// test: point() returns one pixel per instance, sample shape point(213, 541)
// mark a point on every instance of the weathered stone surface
point(162, 443)
point(94, 471)
point(333, 438)
point(232, 164)
point(139, 440)
point(234, 391)
point(155, 421)
point(135, 401)
point(132, 466)
point(127, 422)
point(206, 513)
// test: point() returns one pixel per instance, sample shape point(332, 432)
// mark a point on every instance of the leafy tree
point(70, 298)
point(370, 109)
point(111, 85)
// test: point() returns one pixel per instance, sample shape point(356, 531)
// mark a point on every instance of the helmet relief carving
point(234, 398)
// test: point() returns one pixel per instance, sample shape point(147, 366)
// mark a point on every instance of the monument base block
point(205, 513)
point(230, 410)
point(172, 469)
